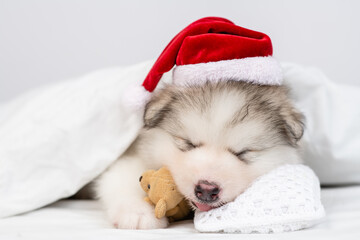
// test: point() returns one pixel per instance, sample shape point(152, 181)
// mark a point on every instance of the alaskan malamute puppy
point(215, 139)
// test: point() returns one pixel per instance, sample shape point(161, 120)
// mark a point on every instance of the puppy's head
point(219, 137)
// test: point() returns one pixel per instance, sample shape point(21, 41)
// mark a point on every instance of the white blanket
point(56, 139)
point(285, 199)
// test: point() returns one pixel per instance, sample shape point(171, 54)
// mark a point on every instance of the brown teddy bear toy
point(162, 192)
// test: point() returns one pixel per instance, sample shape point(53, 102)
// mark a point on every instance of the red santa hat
point(212, 49)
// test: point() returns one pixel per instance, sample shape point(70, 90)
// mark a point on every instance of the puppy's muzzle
point(207, 192)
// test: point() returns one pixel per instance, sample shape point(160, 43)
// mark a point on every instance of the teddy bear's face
point(145, 180)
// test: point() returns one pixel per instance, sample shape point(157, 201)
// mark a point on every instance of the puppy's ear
point(158, 107)
point(294, 123)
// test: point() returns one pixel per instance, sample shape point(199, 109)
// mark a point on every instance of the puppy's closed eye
point(185, 145)
point(241, 155)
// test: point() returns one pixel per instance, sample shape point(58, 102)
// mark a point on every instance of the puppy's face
point(219, 137)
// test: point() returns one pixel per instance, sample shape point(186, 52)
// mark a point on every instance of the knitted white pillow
point(285, 199)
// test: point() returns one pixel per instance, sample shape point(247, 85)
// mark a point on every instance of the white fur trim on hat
point(136, 97)
point(257, 70)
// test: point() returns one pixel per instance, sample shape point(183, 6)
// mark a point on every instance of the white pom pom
point(136, 97)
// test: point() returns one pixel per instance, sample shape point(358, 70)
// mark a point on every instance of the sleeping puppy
point(216, 139)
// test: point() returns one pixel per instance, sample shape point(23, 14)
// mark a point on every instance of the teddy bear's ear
point(146, 175)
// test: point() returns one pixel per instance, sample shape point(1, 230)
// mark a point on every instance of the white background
point(46, 41)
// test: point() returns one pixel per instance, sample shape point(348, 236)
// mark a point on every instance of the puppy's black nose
point(207, 192)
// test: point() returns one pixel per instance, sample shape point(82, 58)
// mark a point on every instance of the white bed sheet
point(83, 219)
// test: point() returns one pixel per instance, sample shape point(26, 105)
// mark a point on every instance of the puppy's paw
point(134, 220)
point(140, 216)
